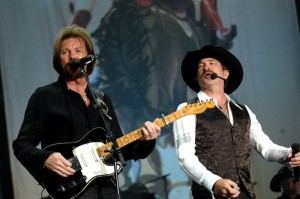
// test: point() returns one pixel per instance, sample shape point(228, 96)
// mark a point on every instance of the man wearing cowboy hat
point(285, 182)
point(214, 147)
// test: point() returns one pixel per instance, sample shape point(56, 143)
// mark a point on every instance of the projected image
point(141, 44)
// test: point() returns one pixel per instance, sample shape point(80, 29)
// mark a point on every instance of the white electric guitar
point(90, 159)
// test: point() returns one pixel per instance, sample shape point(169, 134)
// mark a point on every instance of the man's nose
point(206, 67)
point(73, 56)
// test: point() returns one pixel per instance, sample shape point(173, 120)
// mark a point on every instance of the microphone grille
point(296, 147)
point(213, 76)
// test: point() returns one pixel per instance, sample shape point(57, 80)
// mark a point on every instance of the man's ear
point(226, 74)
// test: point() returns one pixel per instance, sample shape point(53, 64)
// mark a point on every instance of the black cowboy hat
point(190, 63)
point(284, 172)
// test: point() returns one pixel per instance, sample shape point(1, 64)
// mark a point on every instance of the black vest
point(225, 149)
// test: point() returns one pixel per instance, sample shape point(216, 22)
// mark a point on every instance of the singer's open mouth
point(207, 74)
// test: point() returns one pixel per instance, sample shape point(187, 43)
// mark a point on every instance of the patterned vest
point(225, 149)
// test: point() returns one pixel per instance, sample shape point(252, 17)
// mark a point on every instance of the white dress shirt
point(184, 136)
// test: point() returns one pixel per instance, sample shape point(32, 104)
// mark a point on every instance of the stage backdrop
point(140, 45)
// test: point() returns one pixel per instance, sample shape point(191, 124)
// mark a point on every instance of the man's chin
point(73, 76)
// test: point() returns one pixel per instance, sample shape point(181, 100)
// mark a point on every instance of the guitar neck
point(137, 134)
point(195, 108)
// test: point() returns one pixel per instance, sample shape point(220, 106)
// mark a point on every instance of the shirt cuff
point(210, 181)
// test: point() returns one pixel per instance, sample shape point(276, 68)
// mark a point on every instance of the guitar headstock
point(197, 108)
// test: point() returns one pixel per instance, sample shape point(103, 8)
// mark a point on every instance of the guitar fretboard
point(190, 109)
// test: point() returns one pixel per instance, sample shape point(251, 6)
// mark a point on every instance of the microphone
point(296, 148)
point(214, 76)
point(81, 62)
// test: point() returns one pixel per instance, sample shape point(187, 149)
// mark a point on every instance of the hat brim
point(190, 63)
point(274, 184)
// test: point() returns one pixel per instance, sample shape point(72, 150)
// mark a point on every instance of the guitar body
point(85, 161)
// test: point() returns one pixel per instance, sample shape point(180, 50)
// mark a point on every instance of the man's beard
point(70, 75)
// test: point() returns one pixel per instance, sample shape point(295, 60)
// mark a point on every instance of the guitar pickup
point(75, 163)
